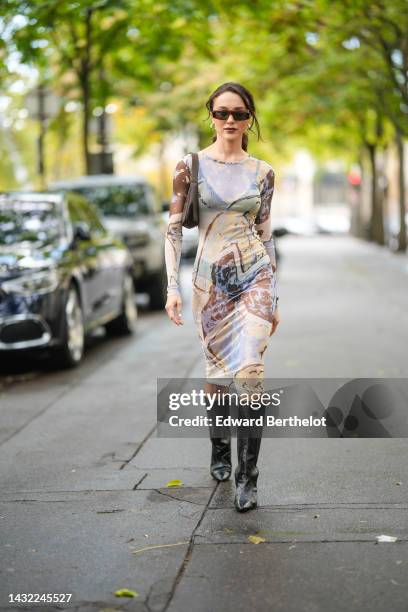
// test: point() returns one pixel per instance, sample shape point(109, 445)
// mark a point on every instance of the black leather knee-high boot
point(248, 446)
point(220, 437)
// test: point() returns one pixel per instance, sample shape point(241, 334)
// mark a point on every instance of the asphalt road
point(84, 506)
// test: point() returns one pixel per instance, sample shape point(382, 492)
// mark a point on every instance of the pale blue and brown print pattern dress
point(234, 274)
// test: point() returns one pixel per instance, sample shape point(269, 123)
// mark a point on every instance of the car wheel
point(72, 349)
point(125, 324)
point(158, 290)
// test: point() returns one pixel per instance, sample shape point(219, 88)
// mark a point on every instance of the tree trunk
point(376, 223)
point(86, 92)
point(85, 122)
point(402, 235)
point(358, 226)
point(162, 169)
point(41, 137)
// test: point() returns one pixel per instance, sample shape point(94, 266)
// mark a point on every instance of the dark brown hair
point(248, 100)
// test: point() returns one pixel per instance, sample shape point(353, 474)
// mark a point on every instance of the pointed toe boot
point(246, 474)
point(248, 446)
point(221, 467)
point(220, 436)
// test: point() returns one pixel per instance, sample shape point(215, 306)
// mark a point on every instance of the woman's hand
point(173, 308)
point(275, 321)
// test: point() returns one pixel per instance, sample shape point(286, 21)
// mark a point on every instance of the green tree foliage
point(330, 75)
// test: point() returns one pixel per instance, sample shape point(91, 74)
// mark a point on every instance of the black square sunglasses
point(238, 115)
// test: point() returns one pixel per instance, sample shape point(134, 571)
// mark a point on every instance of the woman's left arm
point(263, 219)
point(264, 228)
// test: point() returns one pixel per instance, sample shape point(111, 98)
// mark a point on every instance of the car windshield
point(33, 222)
point(117, 200)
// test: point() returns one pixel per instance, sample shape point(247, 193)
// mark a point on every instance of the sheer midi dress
point(234, 288)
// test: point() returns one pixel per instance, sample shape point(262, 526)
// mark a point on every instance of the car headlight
point(36, 282)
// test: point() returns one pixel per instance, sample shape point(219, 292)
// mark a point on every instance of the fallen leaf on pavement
point(174, 483)
point(126, 593)
point(256, 539)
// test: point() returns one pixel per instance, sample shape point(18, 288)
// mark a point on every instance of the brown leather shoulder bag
point(190, 210)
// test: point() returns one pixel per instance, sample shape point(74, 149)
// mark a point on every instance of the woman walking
point(234, 299)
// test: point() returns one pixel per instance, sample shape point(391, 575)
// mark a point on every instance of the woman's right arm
point(173, 239)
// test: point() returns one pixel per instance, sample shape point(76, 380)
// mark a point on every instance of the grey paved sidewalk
point(84, 507)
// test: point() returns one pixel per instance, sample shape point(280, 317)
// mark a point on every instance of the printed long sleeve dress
point(234, 273)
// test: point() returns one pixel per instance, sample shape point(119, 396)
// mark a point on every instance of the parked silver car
point(130, 209)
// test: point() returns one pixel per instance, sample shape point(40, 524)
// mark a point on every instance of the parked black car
point(130, 209)
point(61, 275)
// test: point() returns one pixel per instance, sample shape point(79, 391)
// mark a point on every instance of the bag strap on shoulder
point(194, 167)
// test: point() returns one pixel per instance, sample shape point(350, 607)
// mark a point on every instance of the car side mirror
point(81, 231)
